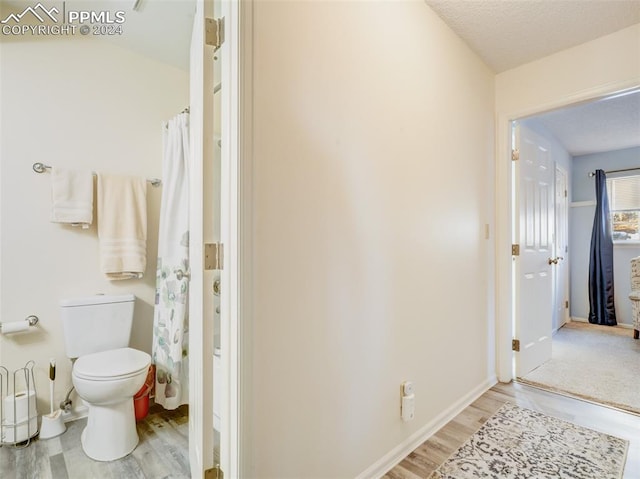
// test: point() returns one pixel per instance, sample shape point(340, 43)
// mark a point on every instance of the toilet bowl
point(107, 382)
point(106, 373)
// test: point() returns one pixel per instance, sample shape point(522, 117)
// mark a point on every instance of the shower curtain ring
point(180, 275)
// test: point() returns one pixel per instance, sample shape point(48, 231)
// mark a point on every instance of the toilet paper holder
point(18, 414)
point(16, 326)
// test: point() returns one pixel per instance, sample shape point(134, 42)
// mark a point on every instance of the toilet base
point(111, 431)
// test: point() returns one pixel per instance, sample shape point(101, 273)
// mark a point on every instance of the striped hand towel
point(122, 226)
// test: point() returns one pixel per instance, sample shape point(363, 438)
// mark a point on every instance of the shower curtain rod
point(593, 173)
point(42, 168)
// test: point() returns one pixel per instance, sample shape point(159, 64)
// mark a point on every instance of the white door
point(202, 220)
point(534, 200)
point(560, 269)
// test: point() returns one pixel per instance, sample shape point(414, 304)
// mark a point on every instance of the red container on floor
point(141, 406)
point(141, 399)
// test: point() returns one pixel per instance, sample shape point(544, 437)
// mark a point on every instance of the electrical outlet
point(408, 407)
point(407, 388)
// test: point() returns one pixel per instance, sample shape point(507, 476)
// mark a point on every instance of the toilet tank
point(96, 323)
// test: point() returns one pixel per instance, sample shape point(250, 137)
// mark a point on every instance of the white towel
point(71, 197)
point(122, 226)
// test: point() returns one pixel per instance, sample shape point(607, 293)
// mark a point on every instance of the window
point(624, 203)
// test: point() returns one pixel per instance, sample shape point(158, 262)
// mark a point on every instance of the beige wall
point(372, 186)
point(591, 70)
point(74, 103)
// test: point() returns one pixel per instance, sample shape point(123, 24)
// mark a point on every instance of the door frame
point(564, 254)
point(235, 234)
point(200, 297)
point(240, 35)
point(504, 220)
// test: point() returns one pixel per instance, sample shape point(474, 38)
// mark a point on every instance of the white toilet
point(107, 373)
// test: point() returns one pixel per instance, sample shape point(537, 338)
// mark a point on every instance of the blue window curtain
point(601, 304)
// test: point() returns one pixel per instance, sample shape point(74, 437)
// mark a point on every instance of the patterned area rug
point(517, 443)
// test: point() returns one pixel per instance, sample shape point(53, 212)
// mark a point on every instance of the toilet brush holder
point(52, 425)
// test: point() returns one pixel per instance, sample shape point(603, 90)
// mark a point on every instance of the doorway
point(562, 249)
point(513, 103)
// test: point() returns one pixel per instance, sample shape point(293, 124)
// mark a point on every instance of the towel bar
point(42, 168)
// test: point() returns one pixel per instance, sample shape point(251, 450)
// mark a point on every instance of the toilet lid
point(112, 364)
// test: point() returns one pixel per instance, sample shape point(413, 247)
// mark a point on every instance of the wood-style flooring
point(428, 456)
point(163, 449)
point(162, 452)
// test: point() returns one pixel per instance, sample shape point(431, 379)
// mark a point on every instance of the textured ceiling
point(604, 125)
point(509, 33)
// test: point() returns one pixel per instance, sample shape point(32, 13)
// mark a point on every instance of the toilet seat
point(111, 365)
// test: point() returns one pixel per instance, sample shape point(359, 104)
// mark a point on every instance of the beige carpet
point(599, 363)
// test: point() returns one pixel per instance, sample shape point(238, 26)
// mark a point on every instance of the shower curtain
point(601, 298)
point(171, 316)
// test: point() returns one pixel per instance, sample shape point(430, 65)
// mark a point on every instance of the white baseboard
point(577, 319)
point(402, 450)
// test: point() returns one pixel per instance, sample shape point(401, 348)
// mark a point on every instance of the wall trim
point(578, 319)
point(402, 450)
point(578, 204)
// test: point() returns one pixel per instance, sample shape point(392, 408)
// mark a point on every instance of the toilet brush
point(52, 423)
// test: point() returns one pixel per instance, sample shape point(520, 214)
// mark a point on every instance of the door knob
point(553, 260)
